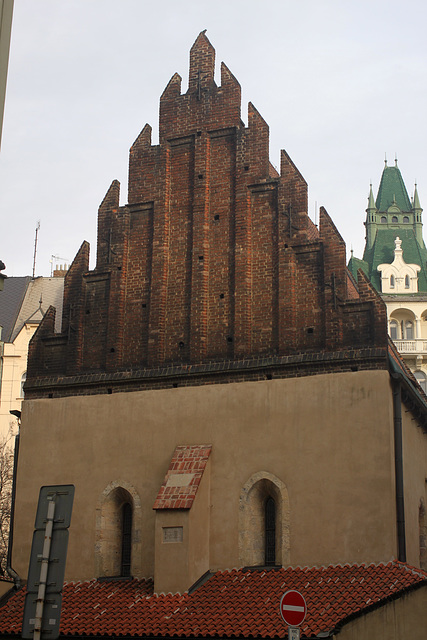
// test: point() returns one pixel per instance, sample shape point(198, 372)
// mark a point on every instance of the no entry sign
point(293, 608)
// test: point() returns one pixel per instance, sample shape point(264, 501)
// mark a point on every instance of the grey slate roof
point(25, 299)
point(11, 299)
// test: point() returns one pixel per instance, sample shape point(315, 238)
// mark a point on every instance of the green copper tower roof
point(382, 252)
point(371, 200)
point(392, 215)
point(392, 191)
point(416, 203)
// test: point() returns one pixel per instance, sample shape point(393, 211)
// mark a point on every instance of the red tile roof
point(183, 477)
point(241, 603)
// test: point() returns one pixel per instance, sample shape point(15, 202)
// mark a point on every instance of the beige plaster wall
point(328, 439)
point(179, 564)
point(397, 620)
point(172, 558)
point(5, 586)
point(415, 474)
point(15, 355)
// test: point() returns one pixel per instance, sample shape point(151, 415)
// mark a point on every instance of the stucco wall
point(397, 620)
point(415, 474)
point(327, 438)
point(14, 366)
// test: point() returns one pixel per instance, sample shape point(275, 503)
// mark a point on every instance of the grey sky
point(340, 83)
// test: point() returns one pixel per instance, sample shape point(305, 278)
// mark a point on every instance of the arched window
point(118, 526)
point(394, 330)
point(406, 282)
point(394, 219)
point(406, 219)
point(409, 330)
point(421, 379)
point(126, 539)
point(270, 531)
point(391, 282)
point(264, 521)
point(383, 219)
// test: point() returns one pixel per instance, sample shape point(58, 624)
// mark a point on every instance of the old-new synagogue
point(225, 400)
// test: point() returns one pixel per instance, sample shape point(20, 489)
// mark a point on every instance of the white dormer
point(399, 277)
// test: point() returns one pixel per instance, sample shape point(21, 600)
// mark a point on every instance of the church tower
point(392, 215)
point(395, 261)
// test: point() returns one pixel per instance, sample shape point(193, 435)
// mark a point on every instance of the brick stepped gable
point(213, 259)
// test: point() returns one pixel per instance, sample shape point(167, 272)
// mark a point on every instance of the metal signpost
point(47, 563)
point(293, 610)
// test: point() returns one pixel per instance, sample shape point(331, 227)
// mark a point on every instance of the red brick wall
point(213, 258)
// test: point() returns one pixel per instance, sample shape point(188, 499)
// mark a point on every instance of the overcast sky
point(340, 83)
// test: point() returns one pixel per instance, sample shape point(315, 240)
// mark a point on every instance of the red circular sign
point(293, 608)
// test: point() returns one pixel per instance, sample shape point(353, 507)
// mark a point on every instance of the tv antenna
point(35, 248)
point(54, 259)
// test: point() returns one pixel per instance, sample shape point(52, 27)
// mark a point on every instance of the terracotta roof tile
point(231, 603)
point(183, 477)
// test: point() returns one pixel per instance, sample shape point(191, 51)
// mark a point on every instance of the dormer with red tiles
point(182, 523)
point(213, 260)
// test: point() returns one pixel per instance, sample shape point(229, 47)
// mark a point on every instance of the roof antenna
point(35, 248)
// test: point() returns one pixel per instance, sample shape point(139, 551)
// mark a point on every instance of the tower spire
point(371, 219)
point(416, 201)
point(371, 199)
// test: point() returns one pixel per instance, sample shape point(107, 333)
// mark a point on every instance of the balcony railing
point(418, 345)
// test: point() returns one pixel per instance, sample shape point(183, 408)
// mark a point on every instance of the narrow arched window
point(406, 282)
point(391, 282)
point(126, 539)
point(270, 531)
point(394, 219)
point(383, 220)
point(406, 219)
point(393, 330)
point(409, 330)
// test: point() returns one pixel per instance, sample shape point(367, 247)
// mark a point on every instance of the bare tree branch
point(6, 475)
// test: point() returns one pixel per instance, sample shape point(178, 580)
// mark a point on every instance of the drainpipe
point(398, 467)
point(11, 572)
